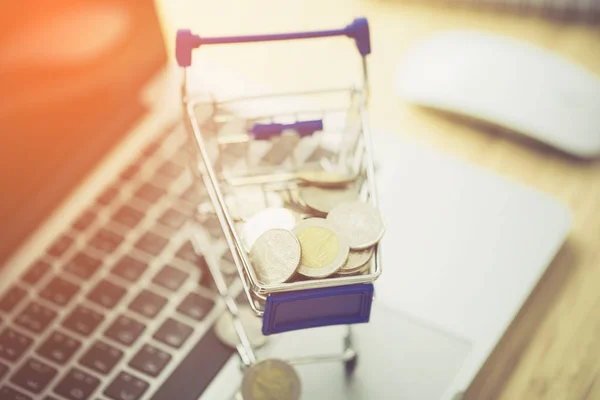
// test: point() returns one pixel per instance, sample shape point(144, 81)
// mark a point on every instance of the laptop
point(101, 293)
point(103, 296)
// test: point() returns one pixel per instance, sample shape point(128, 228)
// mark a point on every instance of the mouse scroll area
point(507, 83)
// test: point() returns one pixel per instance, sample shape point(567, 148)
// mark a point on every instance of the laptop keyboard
point(117, 307)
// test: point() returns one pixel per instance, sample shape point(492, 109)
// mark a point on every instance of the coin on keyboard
point(225, 329)
point(326, 179)
point(324, 200)
point(361, 223)
point(271, 379)
point(264, 220)
point(324, 249)
point(275, 256)
point(357, 259)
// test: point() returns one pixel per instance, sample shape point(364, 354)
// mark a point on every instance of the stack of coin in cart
point(326, 231)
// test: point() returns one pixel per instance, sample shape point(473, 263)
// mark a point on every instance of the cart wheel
point(350, 365)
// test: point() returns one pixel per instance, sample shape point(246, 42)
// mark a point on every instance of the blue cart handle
point(186, 41)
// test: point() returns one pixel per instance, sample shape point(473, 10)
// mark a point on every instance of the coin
point(271, 379)
point(324, 250)
point(275, 256)
point(264, 220)
point(225, 330)
point(254, 200)
point(360, 222)
point(357, 259)
point(356, 271)
point(326, 179)
point(324, 200)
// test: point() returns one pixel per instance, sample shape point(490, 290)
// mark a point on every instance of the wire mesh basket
point(253, 153)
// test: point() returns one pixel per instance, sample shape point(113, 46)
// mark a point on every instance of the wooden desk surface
point(552, 350)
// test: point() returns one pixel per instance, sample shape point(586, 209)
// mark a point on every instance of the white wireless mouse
point(506, 82)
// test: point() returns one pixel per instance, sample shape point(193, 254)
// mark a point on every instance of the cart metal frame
point(264, 299)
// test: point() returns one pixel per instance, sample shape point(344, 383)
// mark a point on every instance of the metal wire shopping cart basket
point(293, 139)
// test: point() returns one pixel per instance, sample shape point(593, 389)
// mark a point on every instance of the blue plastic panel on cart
point(312, 308)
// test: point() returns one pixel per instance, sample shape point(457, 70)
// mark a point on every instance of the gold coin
point(326, 179)
point(324, 250)
point(271, 380)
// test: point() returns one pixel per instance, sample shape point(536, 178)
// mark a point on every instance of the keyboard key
point(84, 221)
point(151, 149)
point(108, 195)
point(60, 246)
point(173, 333)
point(106, 241)
point(148, 304)
point(149, 192)
point(129, 268)
point(33, 376)
point(59, 291)
point(210, 354)
point(128, 216)
point(83, 320)
point(125, 330)
point(126, 387)
point(7, 393)
point(13, 344)
point(150, 360)
point(3, 370)
point(77, 385)
point(195, 306)
point(58, 348)
point(194, 194)
point(170, 170)
point(151, 243)
point(173, 219)
point(36, 272)
point(130, 172)
point(11, 298)
point(83, 266)
point(188, 253)
point(35, 317)
point(106, 294)
point(101, 357)
point(170, 277)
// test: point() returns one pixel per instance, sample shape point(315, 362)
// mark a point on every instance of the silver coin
point(356, 271)
point(252, 200)
point(271, 379)
point(361, 223)
point(324, 200)
point(225, 330)
point(264, 220)
point(275, 256)
point(324, 249)
point(357, 259)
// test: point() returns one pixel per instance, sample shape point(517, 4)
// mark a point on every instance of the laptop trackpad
point(399, 358)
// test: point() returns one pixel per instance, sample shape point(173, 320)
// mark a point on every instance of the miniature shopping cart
point(262, 144)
